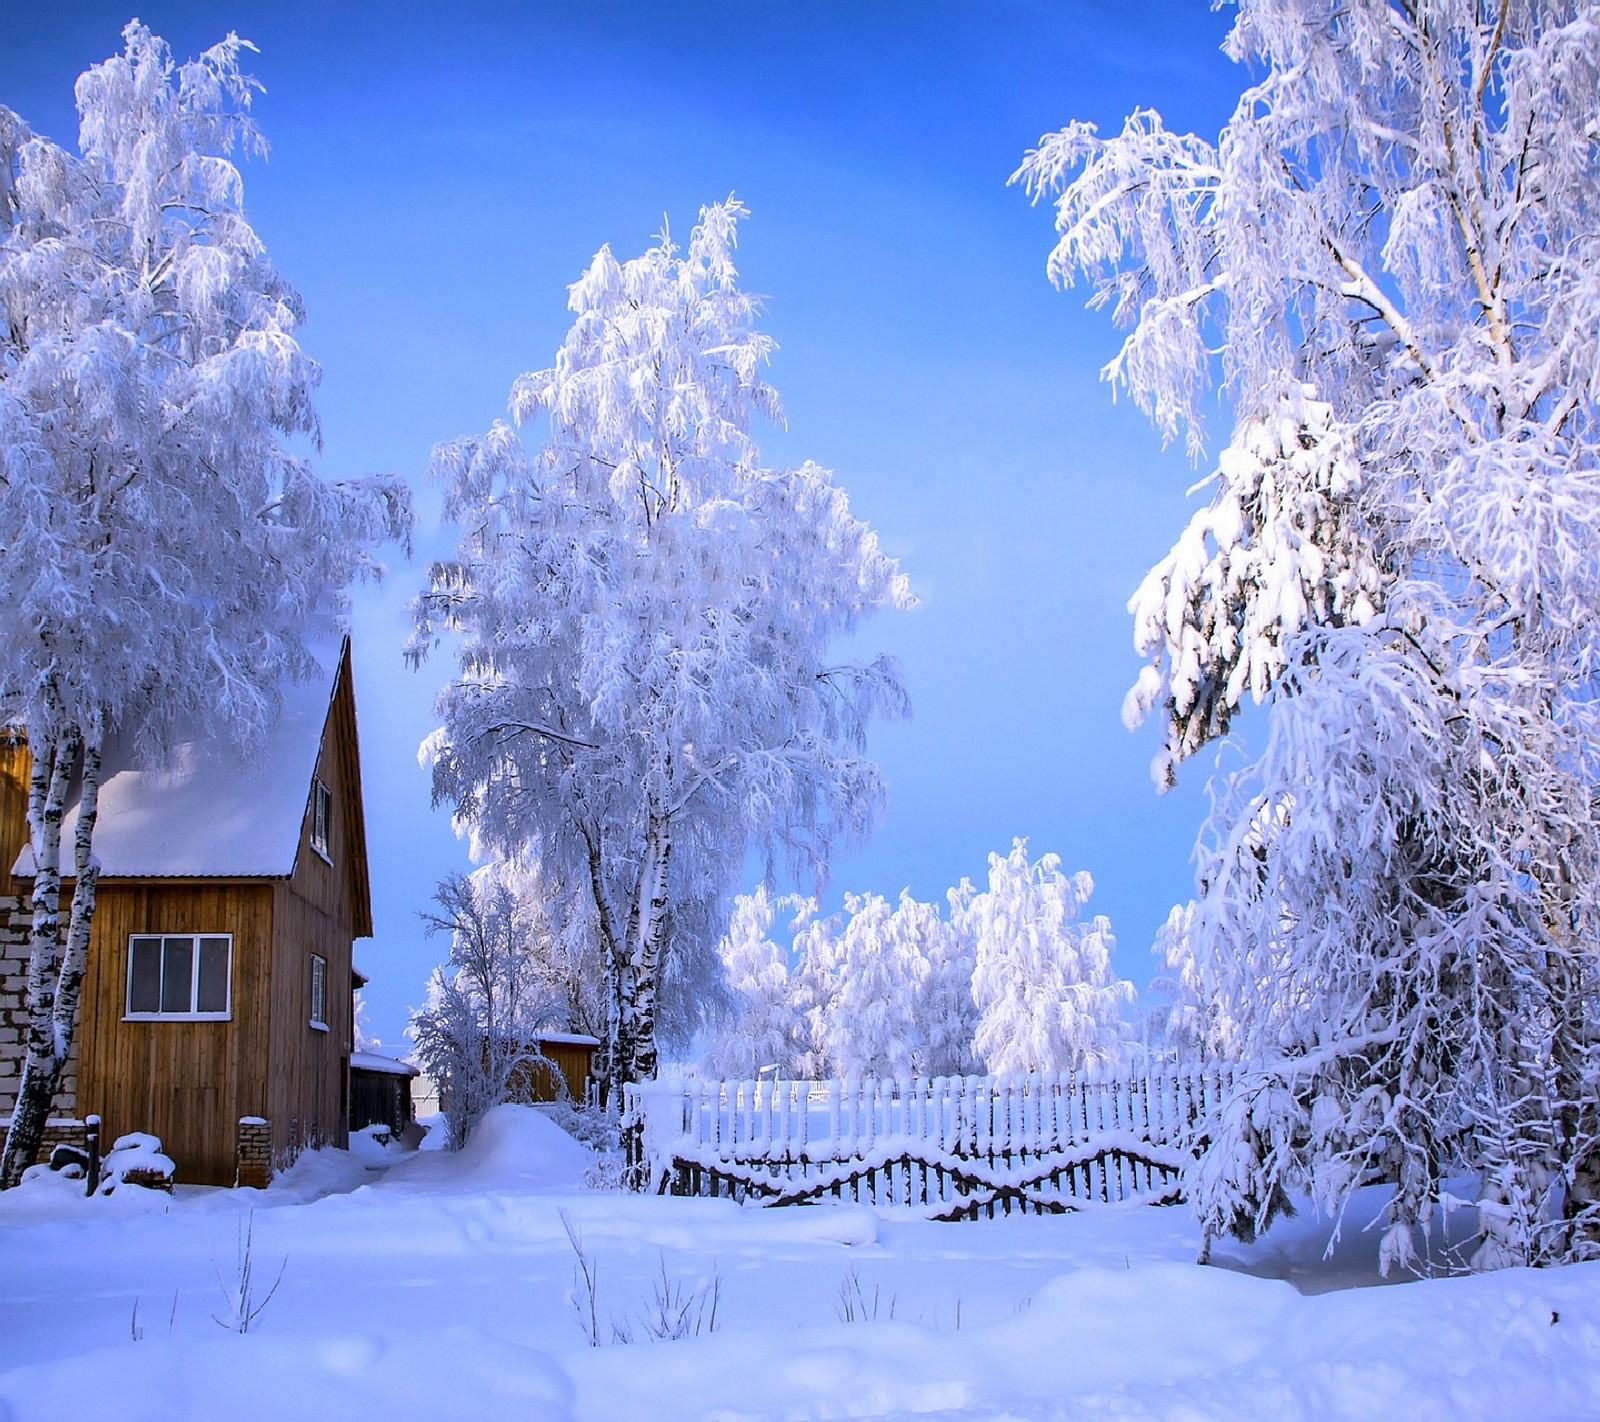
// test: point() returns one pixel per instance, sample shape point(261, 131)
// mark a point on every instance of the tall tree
point(1012, 977)
point(872, 1024)
point(1389, 263)
point(645, 609)
point(162, 549)
point(1185, 1018)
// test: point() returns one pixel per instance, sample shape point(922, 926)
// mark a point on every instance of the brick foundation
point(15, 921)
point(56, 1132)
point(252, 1153)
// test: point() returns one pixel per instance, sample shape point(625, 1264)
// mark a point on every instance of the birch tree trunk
point(649, 936)
point(614, 1052)
point(55, 979)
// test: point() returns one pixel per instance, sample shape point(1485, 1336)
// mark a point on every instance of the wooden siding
point(533, 1080)
point(186, 1082)
point(15, 764)
point(315, 911)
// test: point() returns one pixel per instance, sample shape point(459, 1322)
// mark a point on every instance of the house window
point(321, 813)
point(319, 992)
point(179, 975)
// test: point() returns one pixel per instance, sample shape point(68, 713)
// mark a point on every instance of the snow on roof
point(567, 1039)
point(206, 816)
point(372, 1061)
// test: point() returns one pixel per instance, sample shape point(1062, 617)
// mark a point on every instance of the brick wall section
point(56, 1132)
point(15, 919)
point(253, 1153)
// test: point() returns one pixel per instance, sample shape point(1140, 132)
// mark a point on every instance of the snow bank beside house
point(513, 1147)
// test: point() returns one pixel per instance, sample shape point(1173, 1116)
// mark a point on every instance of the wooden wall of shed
point(186, 1082)
point(313, 913)
point(533, 1080)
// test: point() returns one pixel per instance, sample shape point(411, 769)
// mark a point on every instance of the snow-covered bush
point(136, 1159)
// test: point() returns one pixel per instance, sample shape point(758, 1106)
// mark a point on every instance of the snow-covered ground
point(444, 1287)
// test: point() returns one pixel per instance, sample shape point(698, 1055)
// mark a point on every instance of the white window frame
point(192, 1015)
point(319, 993)
point(321, 818)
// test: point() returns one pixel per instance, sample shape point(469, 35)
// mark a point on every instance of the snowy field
point(444, 1287)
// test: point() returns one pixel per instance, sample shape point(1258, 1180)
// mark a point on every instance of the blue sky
point(439, 173)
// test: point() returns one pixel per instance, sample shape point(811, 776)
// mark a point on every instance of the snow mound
point(512, 1148)
point(136, 1159)
point(376, 1147)
point(317, 1173)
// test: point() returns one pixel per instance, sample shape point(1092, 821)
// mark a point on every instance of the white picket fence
point(947, 1148)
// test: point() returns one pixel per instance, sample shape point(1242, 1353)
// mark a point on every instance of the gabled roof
point(205, 816)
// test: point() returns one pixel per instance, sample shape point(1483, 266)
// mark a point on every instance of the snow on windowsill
point(318, 1026)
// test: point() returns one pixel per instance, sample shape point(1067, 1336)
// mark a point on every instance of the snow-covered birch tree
point(872, 1025)
point(1042, 980)
point(645, 608)
point(906, 989)
point(162, 547)
point(1389, 264)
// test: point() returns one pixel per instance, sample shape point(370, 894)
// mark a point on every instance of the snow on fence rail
point(949, 1148)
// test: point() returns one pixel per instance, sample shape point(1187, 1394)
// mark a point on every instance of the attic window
point(321, 814)
point(182, 976)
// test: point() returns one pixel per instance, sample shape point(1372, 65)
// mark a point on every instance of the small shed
point(380, 1091)
point(559, 1066)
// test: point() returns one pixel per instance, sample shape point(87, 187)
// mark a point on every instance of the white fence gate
point(949, 1148)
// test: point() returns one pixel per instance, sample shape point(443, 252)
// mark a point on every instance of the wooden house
point(216, 1010)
